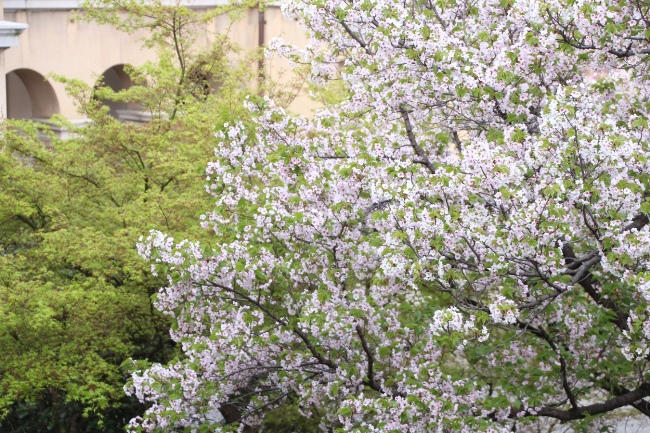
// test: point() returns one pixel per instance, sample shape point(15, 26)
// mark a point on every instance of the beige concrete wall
point(280, 26)
point(54, 43)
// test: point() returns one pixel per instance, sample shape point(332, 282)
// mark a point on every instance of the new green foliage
point(75, 298)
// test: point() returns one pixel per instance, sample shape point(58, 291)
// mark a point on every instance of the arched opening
point(30, 96)
point(117, 79)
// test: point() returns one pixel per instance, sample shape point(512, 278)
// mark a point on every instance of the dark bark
point(627, 399)
point(582, 275)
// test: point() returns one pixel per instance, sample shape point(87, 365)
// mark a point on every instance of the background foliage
point(75, 298)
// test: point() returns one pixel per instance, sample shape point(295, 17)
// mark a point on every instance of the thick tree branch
point(584, 277)
point(638, 222)
point(313, 350)
point(580, 268)
point(565, 33)
point(371, 374)
point(301, 334)
point(541, 333)
point(423, 159)
point(357, 38)
point(642, 406)
point(628, 399)
point(623, 396)
point(28, 221)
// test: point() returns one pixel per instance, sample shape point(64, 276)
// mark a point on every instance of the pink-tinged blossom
point(460, 245)
point(503, 310)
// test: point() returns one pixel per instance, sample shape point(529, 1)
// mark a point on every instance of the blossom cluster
point(458, 246)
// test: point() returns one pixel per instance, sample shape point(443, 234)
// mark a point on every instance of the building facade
point(41, 37)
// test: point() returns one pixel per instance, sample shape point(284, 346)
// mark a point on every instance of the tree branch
point(638, 222)
point(313, 350)
point(584, 277)
point(357, 38)
point(28, 221)
point(541, 333)
point(628, 399)
point(424, 160)
point(303, 336)
point(371, 375)
point(642, 406)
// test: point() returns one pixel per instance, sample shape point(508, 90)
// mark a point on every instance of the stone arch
point(30, 95)
point(117, 79)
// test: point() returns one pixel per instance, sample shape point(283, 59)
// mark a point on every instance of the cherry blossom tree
point(461, 245)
